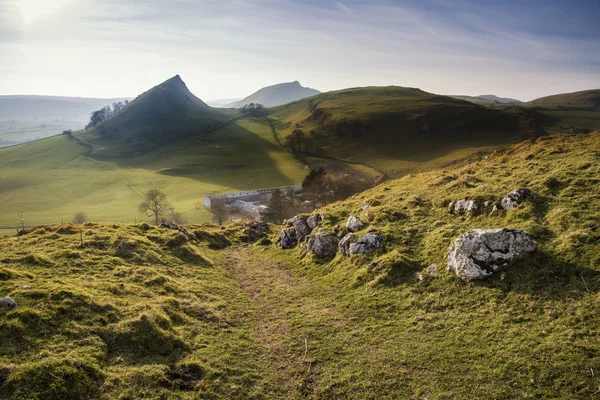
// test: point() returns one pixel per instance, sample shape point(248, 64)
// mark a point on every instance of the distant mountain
point(221, 102)
point(19, 107)
point(501, 100)
point(582, 99)
point(487, 99)
point(166, 112)
point(24, 118)
point(276, 95)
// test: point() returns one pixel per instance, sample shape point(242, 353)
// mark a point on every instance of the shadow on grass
point(547, 277)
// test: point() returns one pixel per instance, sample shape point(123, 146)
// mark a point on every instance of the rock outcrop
point(287, 238)
point(465, 206)
point(322, 244)
point(354, 224)
point(479, 253)
point(513, 199)
point(302, 228)
point(7, 303)
point(366, 244)
point(314, 220)
point(171, 225)
point(345, 243)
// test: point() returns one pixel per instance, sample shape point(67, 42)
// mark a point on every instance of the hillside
point(402, 130)
point(589, 99)
point(25, 118)
point(488, 99)
point(139, 312)
point(276, 95)
point(164, 113)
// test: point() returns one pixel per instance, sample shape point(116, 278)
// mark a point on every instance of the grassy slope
point(582, 99)
point(53, 179)
point(164, 113)
point(140, 314)
point(384, 127)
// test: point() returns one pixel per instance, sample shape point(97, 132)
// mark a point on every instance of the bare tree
point(80, 218)
point(155, 204)
point(221, 212)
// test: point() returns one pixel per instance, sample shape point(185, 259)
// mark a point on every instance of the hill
point(164, 113)
point(402, 130)
point(589, 99)
point(139, 312)
point(276, 95)
point(25, 118)
point(488, 99)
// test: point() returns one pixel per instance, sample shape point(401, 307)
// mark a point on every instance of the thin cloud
point(341, 6)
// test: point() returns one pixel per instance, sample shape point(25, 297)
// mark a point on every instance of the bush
point(80, 218)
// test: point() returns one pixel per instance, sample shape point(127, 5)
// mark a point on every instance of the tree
point(254, 110)
point(315, 184)
point(80, 218)
point(220, 211)
point(98, 116)
point(295, 141)
point(275, 209)
point(155, 204)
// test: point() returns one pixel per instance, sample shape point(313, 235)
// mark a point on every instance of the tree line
point(100, 115)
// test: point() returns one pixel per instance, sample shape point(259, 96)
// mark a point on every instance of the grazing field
point(139, 312)
point(53, 179)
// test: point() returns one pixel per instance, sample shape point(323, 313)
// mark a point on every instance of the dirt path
point(288, 317)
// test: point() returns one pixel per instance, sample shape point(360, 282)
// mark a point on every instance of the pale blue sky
point(230, 48)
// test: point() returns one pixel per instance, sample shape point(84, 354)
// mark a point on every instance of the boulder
point(322, 244)
point(287, 238)
point(513, 199)
point(366, 244)
point(302, 228)
point(465, 206)
point(7, 303)
point(479, 253)
point(172, 225)
point(354, 224)
point(313, 221)
point(345, 243)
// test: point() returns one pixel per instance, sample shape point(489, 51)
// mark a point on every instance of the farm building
point(248, 202)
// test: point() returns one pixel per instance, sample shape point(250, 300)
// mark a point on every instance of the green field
point(52, 179)
point(138, 312)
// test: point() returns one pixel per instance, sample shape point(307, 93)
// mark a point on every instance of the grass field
point(51, 180)
point(138, 312)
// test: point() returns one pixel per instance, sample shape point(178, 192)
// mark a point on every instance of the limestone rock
point(345, 243)
point(322, 244)
point(366, 244)
point(313, 221)
point(287, 238)
point(513, 199)
point(354, 224)
point(479, 253)
point(7, 303)
point(302, 228)
point(465, 206)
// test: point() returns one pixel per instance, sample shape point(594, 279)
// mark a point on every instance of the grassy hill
point(162, 114)
point(140, 313)
point(52, 179)
point(582, 99)
point(402, 130)
point(277, 95)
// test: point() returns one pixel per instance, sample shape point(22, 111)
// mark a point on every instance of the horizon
point(227, 50)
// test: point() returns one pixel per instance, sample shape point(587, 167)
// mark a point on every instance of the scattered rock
point(465, 206)
point(336, 229)
point(7, 303)
point(287, 238)
point(480, 253)
point(513, 199)
point(345, 243)
point(322, 244)
point(313, 221)
point(171, 225)
point(354, 224)
point(371, 266)
point(366, 244)
point(26, 287)
point(432, 270)
point(302, 228)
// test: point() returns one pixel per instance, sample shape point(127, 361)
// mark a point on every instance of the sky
point(224, 49)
